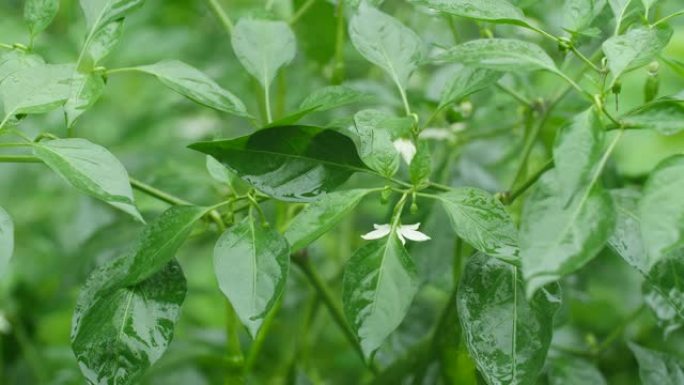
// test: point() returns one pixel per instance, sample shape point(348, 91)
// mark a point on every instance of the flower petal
point(413, 235)
point(414, 226)
point(401, 237)
point(406, 149)
point(386, 226)
point(377, 233)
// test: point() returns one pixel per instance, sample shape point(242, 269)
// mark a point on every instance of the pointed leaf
point(118, 334)
point(380, 281)
point(507, 335)
point(482, 221)
point(296, 163)
point(373, 133)
point(500, 55)
point(321, 216)
point(664, 292)
point(196, 86)
point(559, 237)
point(251, 262)
point(263, 47)
point(656, 368)
point(578, 148)
point(385, 42)
point(494, 11)
point(104, 41)
point(91, 169)
point(39, 14)
point(661, 209)
point(664, 115)
point(635, 48)
point(579, 14)
point(6, 240)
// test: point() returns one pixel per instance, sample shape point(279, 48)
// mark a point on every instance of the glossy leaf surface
point(482, 221)
point(495, 11)
point(626, 239)
point(251, 262)
point(263, 47)
point(90, 168)
point(661, 209)
point(321, 216)
point(507, 335)
point(296, 163)
point(500, 55)
point(117, 334)
point(380, 281)
point(196, 86)
point(657, 368)
point(578, 148)
point(373, 135)
point(568, 370)
point(386, 42)
point(557, 237)
point(6, 240)
point(664, 292)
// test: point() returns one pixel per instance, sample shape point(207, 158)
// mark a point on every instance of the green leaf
point(379, 284)
point(196, 86)
point(263, 47)
point(494, 11)
point(579, 14)
point(636, 48)
point(156, 246)
point(663, 115)
point(559, 237)
point(373, 133)
point(626, 239)
point(90, 168)
point(657, 368)
point(118, 334)
point(104, 41)
point(482, 221)
point(467, 81)
point(421, 165)
point(86, 90)
point(17, 60)
point(500, 55)
point(100, 13)
point(577, 151)
point(328, 98)
point(663, 292)
point(321, 216)
point(661, 209)
point(387, 43)
point(39, 14)
point(647, 5)
point(36, 89)
point(296, 163)
point(507, 335)
point(251, 262)
point(568, 370)
point(6, 240)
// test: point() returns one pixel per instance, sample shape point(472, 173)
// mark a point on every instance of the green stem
point(508, 198)
point(301, 11)
point(617, 332)
point(19, 159)
point(234, 373)
point(6, 46)
point(335, 311)
point(516, 95)
point(668, 17)
point(29, 351)
point(222, 15)
point(404, 99)
point(14, 145)
point(585, 59)
point(267, 104)
point(258, 343)
point(119, 70)
point(159, 194)
point(338, 68)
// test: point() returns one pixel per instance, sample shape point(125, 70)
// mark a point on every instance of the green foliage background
point(62, 235)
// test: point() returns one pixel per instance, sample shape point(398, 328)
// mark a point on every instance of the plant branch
point(516, 95)
point(668, 17)
point(301, 11)
point(158, 194)
point(302, 261)
point(19, 159)
point(222, 15)
point(509, 197)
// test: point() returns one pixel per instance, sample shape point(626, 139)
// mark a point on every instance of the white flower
point(406, 149)
point(409, 232)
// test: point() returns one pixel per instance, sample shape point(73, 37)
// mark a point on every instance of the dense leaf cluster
point(482, 142)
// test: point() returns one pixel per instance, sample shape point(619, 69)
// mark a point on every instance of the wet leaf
point(567, 370)
point(656, 368)
point(626, 239)
point(496, 11)
point(635, 48)
point(663, 115)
